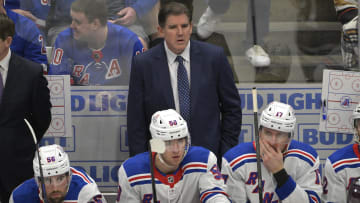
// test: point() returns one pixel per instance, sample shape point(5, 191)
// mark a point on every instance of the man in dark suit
point(213, 101)
point(23, 94)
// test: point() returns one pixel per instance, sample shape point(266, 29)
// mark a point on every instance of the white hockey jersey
point(301, 162)
point(340, 168)
point(82, 189)
point(197, 179)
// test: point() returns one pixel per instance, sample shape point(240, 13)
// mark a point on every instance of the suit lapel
point(162, 75)
point(196, 69)
point(11, 79)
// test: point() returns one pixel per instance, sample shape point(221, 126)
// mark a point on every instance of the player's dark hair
point(92, 9)
point(173, 8)
point(7, 27)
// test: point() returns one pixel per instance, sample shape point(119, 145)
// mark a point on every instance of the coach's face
point(176, 31)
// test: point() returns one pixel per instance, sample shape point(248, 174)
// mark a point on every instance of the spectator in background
point(192, 77)
point(62, 183)
point(28, 41)
point(347, 14)
point(342, 166)
point(290, 169)
point(129, 13)
point(92, 51)
point(254, 53)
point(23, 95)
point(52, 16)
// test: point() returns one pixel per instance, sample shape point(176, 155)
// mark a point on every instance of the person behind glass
point(343, 166)
point(255, 54)
point(347, 14)
point(28, 41)
point(62, 183)
point(130, 14)
point(93, 51)
point(23, 95)
point(183, 173)
point(192, 77)
point(290, 169)
point(51, 16)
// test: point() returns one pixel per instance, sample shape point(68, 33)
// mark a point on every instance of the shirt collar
point(171, 56)
point(5, 62)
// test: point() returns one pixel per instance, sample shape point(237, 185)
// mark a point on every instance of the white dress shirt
point(173, 66)
point(4, 67)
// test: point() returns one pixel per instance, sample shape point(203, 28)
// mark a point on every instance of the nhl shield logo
point(170, 179)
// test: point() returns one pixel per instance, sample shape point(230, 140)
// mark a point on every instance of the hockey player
point(62, 182)
point(289, 168)
point(342, 166)
point(92, 51)
point(182, 173)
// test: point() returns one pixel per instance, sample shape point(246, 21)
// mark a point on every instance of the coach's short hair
point(173, 8)
point(92, 9)
point(7, 27)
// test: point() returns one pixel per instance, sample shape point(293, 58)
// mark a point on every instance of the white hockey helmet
point(54, 161)
point(354, 118)
point(278, 116)
point(168, 125)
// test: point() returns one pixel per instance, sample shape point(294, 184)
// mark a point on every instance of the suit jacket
point(215, 117)
point(25, 95)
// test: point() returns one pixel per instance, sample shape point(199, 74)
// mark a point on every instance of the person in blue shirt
point(93, 51)
point(28, 41)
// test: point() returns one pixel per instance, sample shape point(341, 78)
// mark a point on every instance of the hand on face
point(272, 156)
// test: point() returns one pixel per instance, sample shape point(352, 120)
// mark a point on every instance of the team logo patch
point(170, 179)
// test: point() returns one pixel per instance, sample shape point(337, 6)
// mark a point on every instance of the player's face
point(80, 26)
point(276, 139)
point(357, 126)
point(174, 152)
point(176, 31)
point(4, 47)
point(56, 187)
